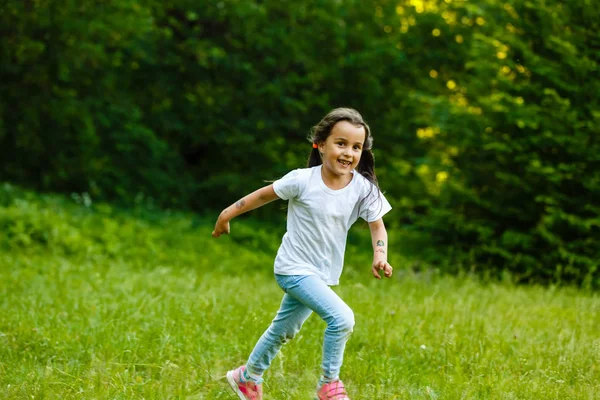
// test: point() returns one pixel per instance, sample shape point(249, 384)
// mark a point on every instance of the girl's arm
point(379, 238)
point(254, 200)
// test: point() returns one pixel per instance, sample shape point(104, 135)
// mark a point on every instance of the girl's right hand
point(221, 227)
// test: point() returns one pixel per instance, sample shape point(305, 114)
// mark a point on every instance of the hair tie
point(315, 146)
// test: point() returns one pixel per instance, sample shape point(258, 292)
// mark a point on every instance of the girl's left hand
point(384, 266)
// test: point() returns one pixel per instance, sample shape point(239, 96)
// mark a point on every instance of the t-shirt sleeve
point(288, 187)
point(374, 206)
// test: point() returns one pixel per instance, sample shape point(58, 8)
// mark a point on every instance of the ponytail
point(366, 167)
point(314, 158)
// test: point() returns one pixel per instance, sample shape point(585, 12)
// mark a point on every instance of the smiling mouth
point(345, 163)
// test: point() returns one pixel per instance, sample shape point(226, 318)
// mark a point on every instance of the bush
point(518, 134)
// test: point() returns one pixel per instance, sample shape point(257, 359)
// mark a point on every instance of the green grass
point(96, 303)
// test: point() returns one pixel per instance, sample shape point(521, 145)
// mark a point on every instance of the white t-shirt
point(318, 220)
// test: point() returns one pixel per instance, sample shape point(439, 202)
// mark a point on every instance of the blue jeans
point(303, 295)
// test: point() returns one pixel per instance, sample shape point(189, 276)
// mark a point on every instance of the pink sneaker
point(245, 390)
point(332, 391)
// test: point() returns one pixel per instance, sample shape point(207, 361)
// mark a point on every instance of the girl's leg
point(311, 291)
point(287, 323)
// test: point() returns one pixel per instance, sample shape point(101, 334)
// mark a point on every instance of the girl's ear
point(321, 146)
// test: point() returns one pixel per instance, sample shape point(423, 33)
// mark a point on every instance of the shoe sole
point(234, 386)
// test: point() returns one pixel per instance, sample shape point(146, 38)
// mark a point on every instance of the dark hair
point(320, 132)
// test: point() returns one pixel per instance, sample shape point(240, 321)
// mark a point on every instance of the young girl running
point(324, 200)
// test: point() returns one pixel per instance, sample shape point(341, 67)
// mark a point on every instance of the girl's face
point(342, 150)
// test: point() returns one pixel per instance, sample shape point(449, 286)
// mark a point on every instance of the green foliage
point(521, 146)
point(34, 225)
point(484, 113)
point(70, 109)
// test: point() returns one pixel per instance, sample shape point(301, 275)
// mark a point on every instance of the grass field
point(96, 303)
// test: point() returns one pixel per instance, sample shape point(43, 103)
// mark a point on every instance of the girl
point(324, 200)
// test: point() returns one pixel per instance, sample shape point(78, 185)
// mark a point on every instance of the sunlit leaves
point(478, 108)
